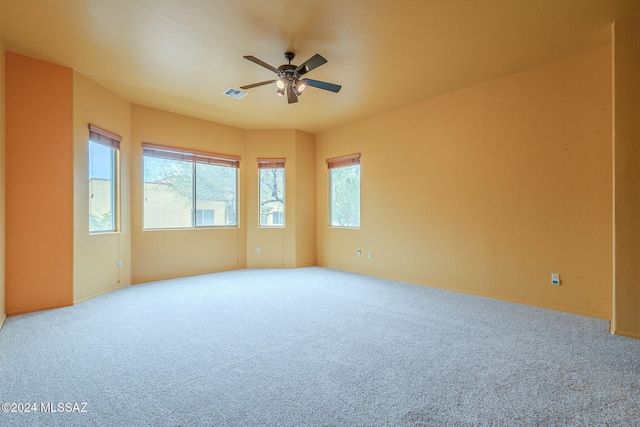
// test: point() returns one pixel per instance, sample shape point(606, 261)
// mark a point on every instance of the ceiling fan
point(290, 78)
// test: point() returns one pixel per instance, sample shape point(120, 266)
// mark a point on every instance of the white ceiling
point(180, 55)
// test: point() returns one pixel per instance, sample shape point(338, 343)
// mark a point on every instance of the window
point(205, 217)
point(277, 218)
point(344, 191)
point(271, 176)
point(104, 150)
point(185, 189)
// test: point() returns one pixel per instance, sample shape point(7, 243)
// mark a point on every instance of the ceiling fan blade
point(261, 63)
point(323, 85)
point(257, 84)
point(314, 62)
point(291, 95)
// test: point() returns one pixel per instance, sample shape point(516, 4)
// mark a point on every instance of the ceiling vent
point(235, 93)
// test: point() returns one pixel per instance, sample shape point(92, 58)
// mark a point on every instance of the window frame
point(112, 141)
point(272, 163)
point(337, 163)
point(195, 157)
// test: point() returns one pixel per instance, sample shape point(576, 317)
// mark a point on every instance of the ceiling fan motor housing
point(287, 72)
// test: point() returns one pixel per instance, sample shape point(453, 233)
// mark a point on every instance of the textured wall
point(487, 190)
point(305, 199)
point(626, 320)
point(159, 254)
point(39, 185)
point(95, 266)
point(293, 245)
point(2, 183)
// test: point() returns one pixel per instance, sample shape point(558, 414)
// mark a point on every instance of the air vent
point(235, 93)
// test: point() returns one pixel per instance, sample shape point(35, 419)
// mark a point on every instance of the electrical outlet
point(555, 279)
point(119, 263)
point(370, 255)
point(359, 252)
point(257, 250)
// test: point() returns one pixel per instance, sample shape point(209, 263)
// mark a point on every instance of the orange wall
point(487, 190)
point(2, 183)
point(39, 185)
point(626, 319)
point(160, 254)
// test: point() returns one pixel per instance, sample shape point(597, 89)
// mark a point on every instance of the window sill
point(103, 233)
point(219, 227)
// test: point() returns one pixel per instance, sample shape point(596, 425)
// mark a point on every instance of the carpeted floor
point(312, 347)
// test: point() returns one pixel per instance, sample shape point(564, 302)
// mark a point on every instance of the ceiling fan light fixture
point(299, 87)
point(280, 91)
point(280, 84)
